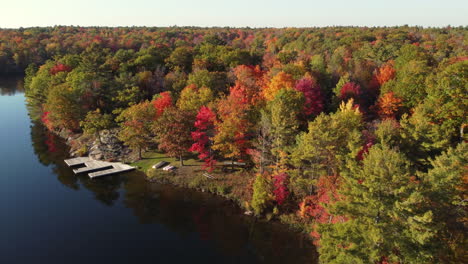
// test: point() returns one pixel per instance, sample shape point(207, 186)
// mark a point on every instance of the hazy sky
point(238, 13)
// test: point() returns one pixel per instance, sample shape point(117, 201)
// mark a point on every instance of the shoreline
point(234, 186)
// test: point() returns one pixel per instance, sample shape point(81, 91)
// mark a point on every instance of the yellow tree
point(192, 98)
point(281, 81)
point(136, 122)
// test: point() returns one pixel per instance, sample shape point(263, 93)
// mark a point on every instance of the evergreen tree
point(386, 215)
point(446, 187)
point(284, 110)
point(262, 194)
point(329, 141)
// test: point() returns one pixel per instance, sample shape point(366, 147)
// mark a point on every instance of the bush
point(197, 181)
point(223, 189)
point(261, 194)
point(83, 150)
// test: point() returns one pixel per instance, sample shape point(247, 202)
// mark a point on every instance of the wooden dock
point(93, 165)
point(117, 168)
point(97, 168)
point(77, 161)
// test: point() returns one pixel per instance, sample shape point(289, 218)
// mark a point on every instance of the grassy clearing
point(151, 158)
point(234, 185)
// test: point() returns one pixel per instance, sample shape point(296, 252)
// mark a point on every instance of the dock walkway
point(77, 161)
point(97, 168)
point(116, 169)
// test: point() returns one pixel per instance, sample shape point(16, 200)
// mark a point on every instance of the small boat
point(169, 168)
point(160, 164)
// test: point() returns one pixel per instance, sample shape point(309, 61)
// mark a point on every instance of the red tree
point(281, 192)
point(314, 101)
point(162, 102)
point(60, 68)
point(351, 90)
point(249, 81)
point(205, 125)
point(45, 118)
point(312, 206)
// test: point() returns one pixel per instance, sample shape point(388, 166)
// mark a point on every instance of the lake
point(50, 215)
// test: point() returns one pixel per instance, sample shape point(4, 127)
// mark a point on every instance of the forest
point(355, 135)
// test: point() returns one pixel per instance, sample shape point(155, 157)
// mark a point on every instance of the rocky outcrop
point(108, 148)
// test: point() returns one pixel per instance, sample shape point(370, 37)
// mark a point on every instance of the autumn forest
point(354, 136)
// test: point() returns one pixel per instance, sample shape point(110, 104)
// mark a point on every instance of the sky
point(233, 13)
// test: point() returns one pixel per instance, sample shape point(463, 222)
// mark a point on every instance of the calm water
point(48, 215)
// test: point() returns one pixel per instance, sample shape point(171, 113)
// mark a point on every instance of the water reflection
point(50, 150)
point(11, 85)
point(187, 213)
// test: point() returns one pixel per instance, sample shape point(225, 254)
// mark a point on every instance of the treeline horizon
point(354, 135)
point(448, 26)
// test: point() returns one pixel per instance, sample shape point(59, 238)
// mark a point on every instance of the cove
point(50, 215)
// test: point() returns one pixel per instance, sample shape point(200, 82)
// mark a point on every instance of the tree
point(233, 126)
point(447, 90)
point(389, 106)
point(151, 83)
point(236, 57)
point(136, 122)
point(385, 74)
point(193, 97)
point(338, 64)
point(152, 57)
point(65, 110)
point(126, 92)
point(216, 81)
point(284, 110)
point(181, 59)
point(286, 57)
point(250, 81)
point(313, 206)
point(175, 81)
point(281, 80)
point(261, 194)
point(446, 188)
point(388, 132)
point(280, 182)
point(422, 137)
point(37, 87)
point(411, 71)
point(314, 100)
point(60, 68)
point(261, 154)
point(329, 141)
point(173, 132)
point(341, 82)
point(350, 90)
point(202, 136)
point(386, 216)
point(162, 102)
point(317, 64)
point(95, 121)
